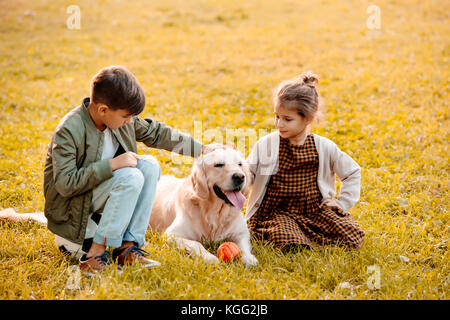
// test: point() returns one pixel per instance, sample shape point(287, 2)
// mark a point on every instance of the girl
point(293, 172)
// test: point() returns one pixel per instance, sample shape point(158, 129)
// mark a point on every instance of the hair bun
point(309, 79)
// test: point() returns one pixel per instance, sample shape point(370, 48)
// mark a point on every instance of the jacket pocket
point(58, 215)
point(57, 207)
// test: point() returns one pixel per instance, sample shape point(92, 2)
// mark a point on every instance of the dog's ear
point(198, 180)
point(248, 178)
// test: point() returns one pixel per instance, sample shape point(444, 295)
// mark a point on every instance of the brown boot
point(129, 254)
point(94, 264)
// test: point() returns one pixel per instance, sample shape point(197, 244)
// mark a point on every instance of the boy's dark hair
point(118, 88)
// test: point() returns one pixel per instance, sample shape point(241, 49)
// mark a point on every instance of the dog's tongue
point(236, 198)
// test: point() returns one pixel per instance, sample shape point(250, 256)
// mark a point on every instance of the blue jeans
point(127, 199)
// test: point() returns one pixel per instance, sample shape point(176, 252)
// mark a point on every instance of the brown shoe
point(94, 264)
point(129, 254)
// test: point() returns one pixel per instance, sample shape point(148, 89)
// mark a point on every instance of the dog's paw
point(249, 260)
point(211, 259)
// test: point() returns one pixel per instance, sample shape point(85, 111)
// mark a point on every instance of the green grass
point(385, 93)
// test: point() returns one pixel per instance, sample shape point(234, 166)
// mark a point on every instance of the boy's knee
point(150, 169)
point(130, 177)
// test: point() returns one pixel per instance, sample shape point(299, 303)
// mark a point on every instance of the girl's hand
point(329, 203)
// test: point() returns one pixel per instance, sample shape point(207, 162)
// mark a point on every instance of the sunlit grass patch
point(385, 94)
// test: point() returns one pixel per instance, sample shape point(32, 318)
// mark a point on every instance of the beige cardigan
point(263, 161)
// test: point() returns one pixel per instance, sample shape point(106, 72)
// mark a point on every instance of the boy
point(92, 168)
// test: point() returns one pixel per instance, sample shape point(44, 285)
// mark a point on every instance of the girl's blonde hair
point(301, 95)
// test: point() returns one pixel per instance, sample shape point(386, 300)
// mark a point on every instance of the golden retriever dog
point(207, 204)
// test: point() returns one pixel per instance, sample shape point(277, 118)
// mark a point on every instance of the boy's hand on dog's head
point(127, 159)
point(207, 148)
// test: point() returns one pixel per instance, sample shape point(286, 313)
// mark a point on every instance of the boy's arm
point(161, 136)
point(349, 172)
point(69, 179)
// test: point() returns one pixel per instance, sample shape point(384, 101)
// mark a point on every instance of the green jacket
point(73, 166)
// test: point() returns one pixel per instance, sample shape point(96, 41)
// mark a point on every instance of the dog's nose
point(238, 178)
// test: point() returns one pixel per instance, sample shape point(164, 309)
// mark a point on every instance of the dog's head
point(224, 172)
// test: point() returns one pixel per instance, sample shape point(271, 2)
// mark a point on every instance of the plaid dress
point(290, 213)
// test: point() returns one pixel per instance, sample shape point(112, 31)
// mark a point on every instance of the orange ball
point(228, 251)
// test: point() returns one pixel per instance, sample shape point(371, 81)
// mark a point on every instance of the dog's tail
point(11, 215)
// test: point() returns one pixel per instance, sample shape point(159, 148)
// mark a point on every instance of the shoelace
point(137, 251)
point(103, 259)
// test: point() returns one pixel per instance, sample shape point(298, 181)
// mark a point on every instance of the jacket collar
point(90, 123)
point(85, 113)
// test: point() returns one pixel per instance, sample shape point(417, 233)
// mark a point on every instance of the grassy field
point(217, 62)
